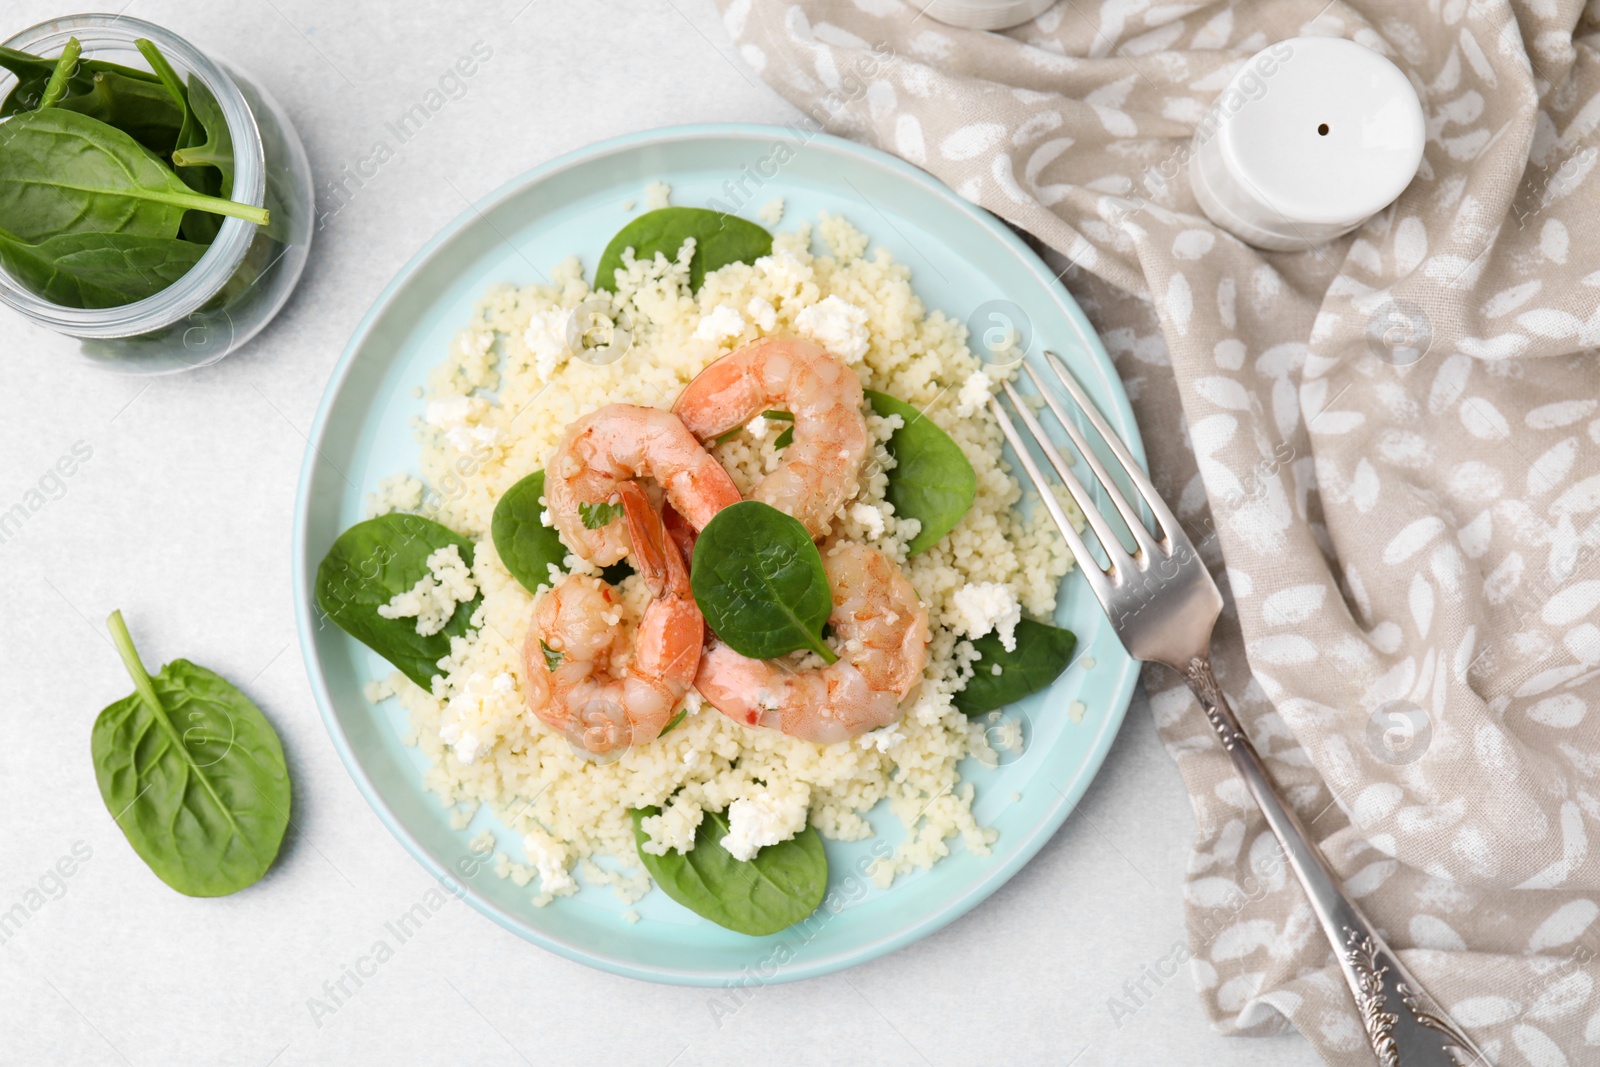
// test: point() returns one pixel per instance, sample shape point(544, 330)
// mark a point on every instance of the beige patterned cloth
point(1392, 440)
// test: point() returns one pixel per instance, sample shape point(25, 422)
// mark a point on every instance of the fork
point(1163, 604)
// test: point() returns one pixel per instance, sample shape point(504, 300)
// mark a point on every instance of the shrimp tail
point(683, 534)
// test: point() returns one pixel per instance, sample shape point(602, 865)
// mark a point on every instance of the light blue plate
point(960, 257)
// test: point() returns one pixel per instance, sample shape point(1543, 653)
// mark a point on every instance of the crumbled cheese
point(550, 858)
point(988, 607)
point(837, 325)
point(475, 343)
point(758, 427)
point(457, 417)
point(759, 820)
point(474, 718)
point(974, 394)
point(722, 323)
point(656, 195)
point(996, 670)
point(434, 598)
point(771, 213)
point(883, 738)
point(762, 313)
point(546, 338)
point(870, 517)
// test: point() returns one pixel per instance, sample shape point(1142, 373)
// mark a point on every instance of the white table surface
point(181, 518)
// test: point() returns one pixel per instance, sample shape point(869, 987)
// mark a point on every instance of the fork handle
point(1405, 1026)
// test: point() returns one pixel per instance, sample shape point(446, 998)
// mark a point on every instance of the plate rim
point(304, 573)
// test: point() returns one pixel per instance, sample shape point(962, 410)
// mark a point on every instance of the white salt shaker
point(1312, 137)
point(986, 14)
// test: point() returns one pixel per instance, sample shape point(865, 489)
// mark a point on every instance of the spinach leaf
point(368, 566)
point(56, 87)
point(719, 240)
point(98, 270)
point(174, 88)
point(216, 150)
point(193, 774)
point(1042, 653)
point(33, 74)
point(759, 581)
point(527, 546)
point(62, 172)
point(595, 516)
point(780, 886)
point(142, 110)
point(205, 165)
point(931, 481)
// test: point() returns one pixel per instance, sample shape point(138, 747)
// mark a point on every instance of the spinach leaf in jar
point(778, 887)
point(373, 562)
point(62, 172)
point(98, 270)
point(193, 774)
point(759, 582)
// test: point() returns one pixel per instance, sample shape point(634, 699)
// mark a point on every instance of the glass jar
point(248, 271)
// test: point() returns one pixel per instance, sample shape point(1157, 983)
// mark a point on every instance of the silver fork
point(1163, 604)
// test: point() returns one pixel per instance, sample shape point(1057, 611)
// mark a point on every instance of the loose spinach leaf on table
point(1042, 653)
point(758, 579)
point(932, 480)
point(368, 566)
point(62, 172)
point(193, 774)
point(719, 240)
point(98, 270)
point(780, 886)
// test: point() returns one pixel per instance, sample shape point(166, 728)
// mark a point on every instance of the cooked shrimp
point(570, 686)
point(617, 443)
point(881, 631)
point(819, 468)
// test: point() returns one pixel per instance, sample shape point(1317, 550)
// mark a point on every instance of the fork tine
point(1121, 562)
point(1171, 532)
point(1098, 582)
point(1130, 514)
